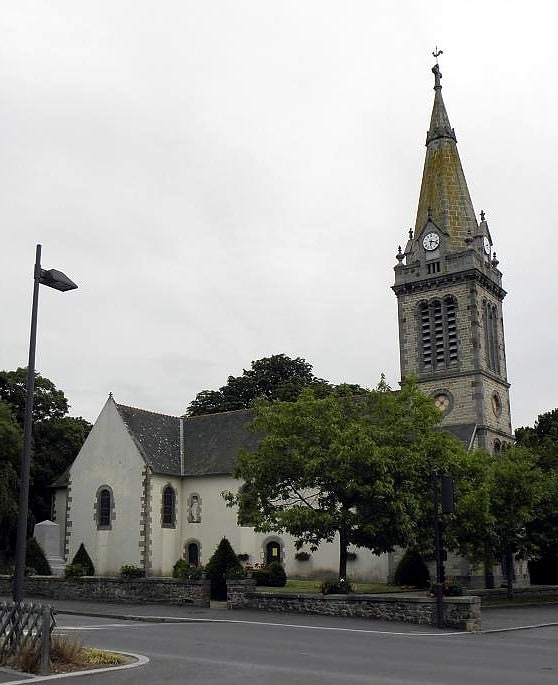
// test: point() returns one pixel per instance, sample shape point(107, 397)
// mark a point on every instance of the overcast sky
point(227, 180)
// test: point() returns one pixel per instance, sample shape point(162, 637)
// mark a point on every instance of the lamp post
point(59, 281)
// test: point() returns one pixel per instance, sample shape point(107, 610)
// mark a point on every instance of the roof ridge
point(216, 413)
point(147, 411)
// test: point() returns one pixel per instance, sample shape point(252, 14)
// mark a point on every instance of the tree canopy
point(48, 401)
point(542, 529)
point(56, 440)
point(10, 454)
point(274, 378)
point(356, 467)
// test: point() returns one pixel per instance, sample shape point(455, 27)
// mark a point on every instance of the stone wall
point(462, 613)
point(120, 590)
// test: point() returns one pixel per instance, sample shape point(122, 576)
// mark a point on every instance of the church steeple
point(449, 293)
point(444, 196)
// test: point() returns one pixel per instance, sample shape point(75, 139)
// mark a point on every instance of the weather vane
point(437, 53)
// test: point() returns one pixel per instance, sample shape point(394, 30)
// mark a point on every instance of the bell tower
point(449, 295)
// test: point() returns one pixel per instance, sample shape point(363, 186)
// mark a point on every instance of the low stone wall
point(121, 590)
point(463, 613)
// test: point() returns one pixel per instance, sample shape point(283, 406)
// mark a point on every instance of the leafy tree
point(346, 466)
point(223, 562)
point(507, 499)
point(56, 440)
point(10, 455)
point(542, 530)
point(276, 378)
point(56, 443)
point(48, 402)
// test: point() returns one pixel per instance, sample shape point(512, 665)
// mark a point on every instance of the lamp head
point(56, 279)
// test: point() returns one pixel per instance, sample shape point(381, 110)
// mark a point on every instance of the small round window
point(496, 405)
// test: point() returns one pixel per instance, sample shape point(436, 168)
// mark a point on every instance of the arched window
point(490, 325)
point(104, 508)
point(168, 515)
point(438, 331)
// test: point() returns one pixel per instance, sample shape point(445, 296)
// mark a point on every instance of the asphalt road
point(242, 647)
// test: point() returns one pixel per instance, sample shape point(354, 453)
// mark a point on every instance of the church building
point(146, 488)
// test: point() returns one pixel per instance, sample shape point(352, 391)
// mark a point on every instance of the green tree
point(346, 466)
point(56, 439)
point(48, 401)
point(10, 455)
point(512, 490)
point(276, 378)
point(542, 530)
point(56, 443)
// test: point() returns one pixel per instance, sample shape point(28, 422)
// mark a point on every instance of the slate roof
point(157, 437)
point(462, 431)
point(211, 442)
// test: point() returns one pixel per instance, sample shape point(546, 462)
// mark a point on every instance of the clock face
point(486, 245)
point(431, 241)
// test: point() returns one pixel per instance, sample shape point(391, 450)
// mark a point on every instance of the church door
point(193, 554)
point(272, 552)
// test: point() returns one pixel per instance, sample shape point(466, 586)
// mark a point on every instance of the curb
point(140, 660)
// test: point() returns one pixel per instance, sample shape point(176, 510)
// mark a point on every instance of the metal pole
point(21, 542)
point(438, 551)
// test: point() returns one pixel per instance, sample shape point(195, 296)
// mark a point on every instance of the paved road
point(216, 646)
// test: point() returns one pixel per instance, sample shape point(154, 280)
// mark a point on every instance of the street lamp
point(59, 281)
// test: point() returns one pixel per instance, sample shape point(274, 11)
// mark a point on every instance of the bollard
point(45, 641)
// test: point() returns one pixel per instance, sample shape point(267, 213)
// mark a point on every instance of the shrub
point(277, 575)
point(448, 589)
point(183, 570)
point(131, 571)
point(351, 556)
point(412, 570)
point(74, 571)
point(270, 576)
point(336, 587)
point(302, 556)
point(35, 558)
point(83, 559)
point(223, 562)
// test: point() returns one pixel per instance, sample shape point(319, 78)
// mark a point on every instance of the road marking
point(141, 661)
point(528, 627)
point(170, 620)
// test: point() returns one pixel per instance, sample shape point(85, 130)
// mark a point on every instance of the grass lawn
point(294, 585)
point(518, 600)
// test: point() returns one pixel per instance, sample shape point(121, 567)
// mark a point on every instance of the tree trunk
point(343, 544)
point(509, 573)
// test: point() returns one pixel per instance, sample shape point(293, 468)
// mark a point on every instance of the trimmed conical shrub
point(35, 559)
point(84, 560)
point(223, 562)
point(412, 570)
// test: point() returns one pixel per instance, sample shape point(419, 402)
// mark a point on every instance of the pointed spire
point(444, 196)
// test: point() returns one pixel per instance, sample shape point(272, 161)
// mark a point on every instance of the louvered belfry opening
point(438, 325)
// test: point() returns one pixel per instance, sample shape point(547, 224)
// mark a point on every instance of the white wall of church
point(109, 458)
point(166, 545)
